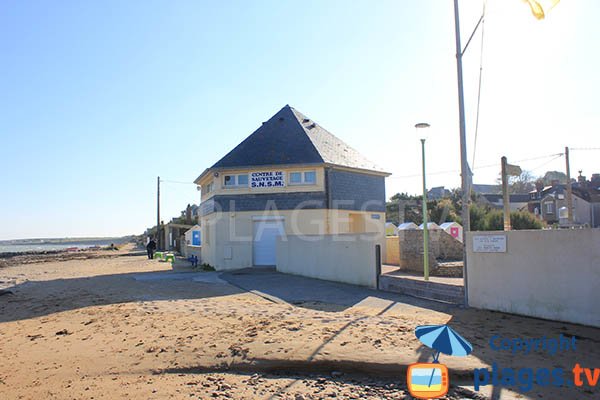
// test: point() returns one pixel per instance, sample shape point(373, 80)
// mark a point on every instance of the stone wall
point(406, 249)
point(411, 250)
point(450, 249)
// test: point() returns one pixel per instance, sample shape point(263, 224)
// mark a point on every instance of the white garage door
point(265, 238)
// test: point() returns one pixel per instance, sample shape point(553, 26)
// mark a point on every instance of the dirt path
point(117, 328)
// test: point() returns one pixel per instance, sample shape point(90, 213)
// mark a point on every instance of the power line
point(556, 155)
point(584, 148)
point(479, 88)
point(495, 165)
point(546, 163)
point(178, 182)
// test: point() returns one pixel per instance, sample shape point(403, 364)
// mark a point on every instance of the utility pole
point(505, 196)
point(569, 188)
point(158, 213)
point(464, 166)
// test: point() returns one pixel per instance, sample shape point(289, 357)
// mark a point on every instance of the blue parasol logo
point(431, 380)
point(443, 339)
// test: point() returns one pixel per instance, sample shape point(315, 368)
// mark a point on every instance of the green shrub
point(477, 216)
point(207, 267)
point(494, 220)
point(524, 220)
point(486, 219)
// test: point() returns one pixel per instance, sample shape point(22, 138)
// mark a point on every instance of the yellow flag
point(540, 8)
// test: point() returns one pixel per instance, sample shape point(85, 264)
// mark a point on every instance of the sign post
point(507, 170)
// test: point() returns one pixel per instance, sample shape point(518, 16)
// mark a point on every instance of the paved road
point(300, 290)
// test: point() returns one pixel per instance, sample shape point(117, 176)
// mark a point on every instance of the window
point(206, 189)
point(295, 177)
point(229, 180)
point(310, 177)
point(242, 180)
point(549, 208)
point(303, 178)
point(235, 180)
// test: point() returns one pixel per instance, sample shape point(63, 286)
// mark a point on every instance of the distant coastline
point(57, 244)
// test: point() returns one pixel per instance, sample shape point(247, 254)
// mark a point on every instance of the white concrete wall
point(227, 238)
point(347, 258)
point(552, 274)
point(187, 250)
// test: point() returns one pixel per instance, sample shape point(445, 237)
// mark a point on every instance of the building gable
point(280, 140)
point(289, 137)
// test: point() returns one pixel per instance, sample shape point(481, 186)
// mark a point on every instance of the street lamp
point(420, 127)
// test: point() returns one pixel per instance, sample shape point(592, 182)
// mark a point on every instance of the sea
point(38, 247)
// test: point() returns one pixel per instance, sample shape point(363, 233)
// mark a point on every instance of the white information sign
point(267, 179)
point(489, 244)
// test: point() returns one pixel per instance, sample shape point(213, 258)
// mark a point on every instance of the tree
point(391, 208)
point(477, 215)
point(484, 218)
point(524, 220)
point(550, 176)
point(523, 183)
point(442, 211)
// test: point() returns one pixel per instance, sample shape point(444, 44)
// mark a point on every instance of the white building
point(407, 226)
point(454, 229)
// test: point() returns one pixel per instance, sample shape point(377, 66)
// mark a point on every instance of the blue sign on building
point(196, 238)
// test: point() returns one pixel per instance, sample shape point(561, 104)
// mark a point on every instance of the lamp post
point(419, 127)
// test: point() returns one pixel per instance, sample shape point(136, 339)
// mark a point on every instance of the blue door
point(196, 238)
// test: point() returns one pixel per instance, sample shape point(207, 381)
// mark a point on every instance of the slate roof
point(290, 137)
point(449, 224)
point(513, 198)
point(485, 189)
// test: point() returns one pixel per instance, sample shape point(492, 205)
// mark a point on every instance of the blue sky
point(98, 98)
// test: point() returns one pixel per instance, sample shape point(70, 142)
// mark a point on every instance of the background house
point(454, 229)
point(390, 229)
point(485, 188)
point(517, 202)
point(547, 201)
point(438, 192)
point(193, 242)
point(431, 226)
point(407, 226)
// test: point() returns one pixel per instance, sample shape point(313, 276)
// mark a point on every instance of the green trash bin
point(159, 255)
point(170, 257)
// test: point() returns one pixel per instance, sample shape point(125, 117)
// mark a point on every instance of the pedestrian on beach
point(151, 247)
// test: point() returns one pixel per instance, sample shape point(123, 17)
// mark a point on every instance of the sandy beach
point(127, 327)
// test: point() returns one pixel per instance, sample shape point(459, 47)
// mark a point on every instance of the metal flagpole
point(464, 166)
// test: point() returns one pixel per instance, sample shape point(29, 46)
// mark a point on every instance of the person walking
point(151, 247)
